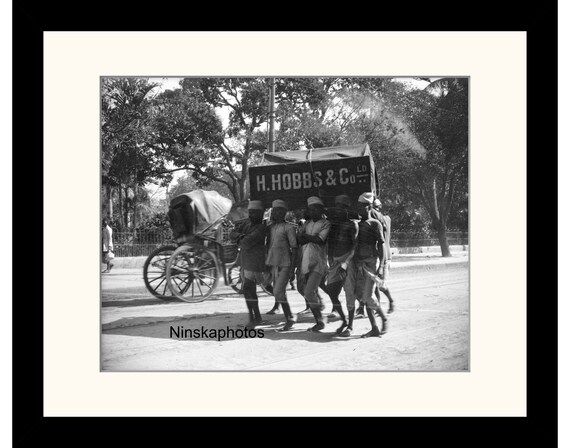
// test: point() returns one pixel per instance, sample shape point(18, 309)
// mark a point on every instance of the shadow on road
point(220, 327)
point(123, 303)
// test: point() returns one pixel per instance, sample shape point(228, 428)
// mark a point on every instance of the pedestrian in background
point(281, 253)
point(107, 237)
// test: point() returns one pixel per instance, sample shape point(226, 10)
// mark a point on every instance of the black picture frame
point(29, 422)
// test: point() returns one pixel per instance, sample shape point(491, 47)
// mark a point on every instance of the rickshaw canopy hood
point(210, 205)
point(199, 211)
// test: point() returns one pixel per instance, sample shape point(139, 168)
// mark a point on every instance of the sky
point(167, 83)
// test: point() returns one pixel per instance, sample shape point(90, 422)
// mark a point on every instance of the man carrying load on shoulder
point(250, 237)
point(312, 267)
point(281, 253)
point(384, 269)
point(363, 266)
point(341, 246)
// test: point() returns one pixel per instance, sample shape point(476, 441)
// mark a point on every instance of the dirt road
point(429, 331)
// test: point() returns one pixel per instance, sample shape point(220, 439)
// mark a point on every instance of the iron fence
point(142, 243)
point(139, 242)
point(406, 239)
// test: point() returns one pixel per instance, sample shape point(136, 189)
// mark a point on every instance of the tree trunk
point(120, 214)
point(241, 191)
point(438, 215)
point(110, 190)
point(442, 236)
point(135, 199)
point(126, 208)
point(244, 177)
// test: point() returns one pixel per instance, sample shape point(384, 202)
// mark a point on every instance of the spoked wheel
point(236, 282)
point(154, 272)
point(234, 278)
point(192, 273)
point(265, 290)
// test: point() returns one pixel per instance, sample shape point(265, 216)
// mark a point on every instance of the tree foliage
point(216, 128)
point(187, 183)
point(124, 128)
point(438, 118)
point(245, 101)
point(184, 132)
point(146, 137)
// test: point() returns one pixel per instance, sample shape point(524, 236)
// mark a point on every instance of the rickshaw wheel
point(265, 290)
point(236, 282)
point(192, 273)
point(154, 272)
point(234, 277)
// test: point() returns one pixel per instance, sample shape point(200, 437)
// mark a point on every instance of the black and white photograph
point(310, 223)
point(339, 209)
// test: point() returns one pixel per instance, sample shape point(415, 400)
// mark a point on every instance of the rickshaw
point(190, 268)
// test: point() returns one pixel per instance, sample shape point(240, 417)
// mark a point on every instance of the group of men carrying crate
point(333, 249)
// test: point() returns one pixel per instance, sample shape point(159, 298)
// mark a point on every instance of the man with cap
point(341, 246)
point(301, 278)
point(250, 237)
point(363, 265)
point(384, 269)
point(312, 264)
point(281, 253)
point(290, 218)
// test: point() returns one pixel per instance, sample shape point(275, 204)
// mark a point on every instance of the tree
point(303, 113)
point(184, 129)
point(438, 118)
point(215, 128)
point(418, 140)
point(147, 138)
point(124, 118)
point(187, 183)
point(222, 155)
point(311, 112)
